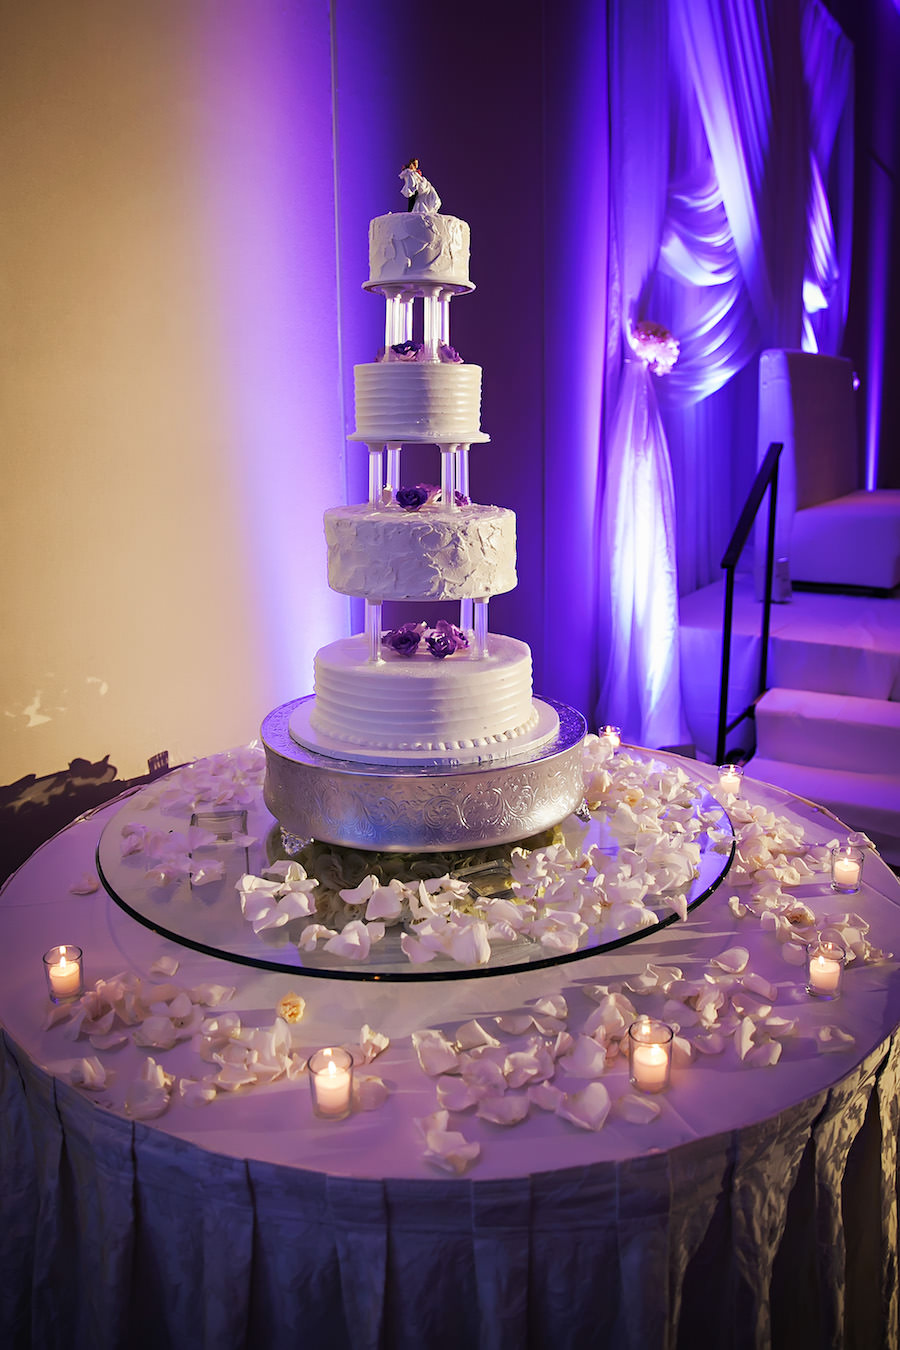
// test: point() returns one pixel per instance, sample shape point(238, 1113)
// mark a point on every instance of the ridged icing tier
point(420, 704)
point(412, 247)
point(386, 553)
point(418, 402)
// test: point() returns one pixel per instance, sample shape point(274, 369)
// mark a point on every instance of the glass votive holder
point(64, 972)
point(331, 1083)
point(846, 868)
point(650, 1053)
point(730, 776)
point(613, 735)
point(824, 969)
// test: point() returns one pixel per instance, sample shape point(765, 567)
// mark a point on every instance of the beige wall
point(161, 275)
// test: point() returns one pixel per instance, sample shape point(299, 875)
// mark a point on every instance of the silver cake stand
point(416, 808)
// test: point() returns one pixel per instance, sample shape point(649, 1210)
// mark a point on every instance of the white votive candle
point(846, 868)
point(62, 966)
point(825, 968)
point(730, 779)
point(650, 1047)
point(613, 735)
point(331, 1083)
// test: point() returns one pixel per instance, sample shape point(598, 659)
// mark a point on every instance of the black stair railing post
point(767, 477)
point(770, 572)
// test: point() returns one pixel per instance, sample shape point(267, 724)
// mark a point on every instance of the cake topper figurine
point(422, 196)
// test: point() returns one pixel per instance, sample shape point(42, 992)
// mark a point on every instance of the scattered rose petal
point(373, 1043)
point(764, 1055)
point(435, 1053)
point(473, 1033)
point(515, 1024)
point(195, 1093)
point(588, 1109)
point(638, 1108)
point(86, 884)
point(545, 1096)
point(734, 960)
point(369, 1092)
point(832, 1039)
point(454, 1094)
point(507, 1109)
point(587, 1059)
point(446, 1149)
point(710, 1042)
point(758, 985)
point(165, 965)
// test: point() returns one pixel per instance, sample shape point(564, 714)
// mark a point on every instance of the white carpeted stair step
point(837, 750)
point(863, 801)
point(828, 731)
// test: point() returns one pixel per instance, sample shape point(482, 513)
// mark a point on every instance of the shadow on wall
point(33, 809)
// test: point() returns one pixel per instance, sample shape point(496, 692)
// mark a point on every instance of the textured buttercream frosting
point(464, 704)
point(418, 402)
point(412, 247)
point(386, 553)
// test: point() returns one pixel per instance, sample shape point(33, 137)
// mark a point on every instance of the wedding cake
point(428, 734)
point(429, 694)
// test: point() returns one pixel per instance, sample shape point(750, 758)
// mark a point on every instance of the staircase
point(828, 728)
point(839, 750)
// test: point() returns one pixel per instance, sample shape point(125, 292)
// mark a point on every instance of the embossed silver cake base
point(423, 809)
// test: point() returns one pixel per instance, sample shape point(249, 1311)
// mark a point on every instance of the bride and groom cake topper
point(421, 196)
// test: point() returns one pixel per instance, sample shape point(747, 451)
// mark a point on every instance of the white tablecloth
point(248, 1221)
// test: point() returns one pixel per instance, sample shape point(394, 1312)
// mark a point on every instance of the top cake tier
point(408, 247)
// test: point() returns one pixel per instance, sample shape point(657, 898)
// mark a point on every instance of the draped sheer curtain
point(735, 236)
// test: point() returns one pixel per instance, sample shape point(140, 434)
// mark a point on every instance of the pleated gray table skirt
point(115, 1235)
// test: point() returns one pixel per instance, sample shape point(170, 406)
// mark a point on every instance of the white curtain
point(641, 689)
point(729, 132)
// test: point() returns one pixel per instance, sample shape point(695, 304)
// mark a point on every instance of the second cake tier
point(433, 403)
point(437, 553)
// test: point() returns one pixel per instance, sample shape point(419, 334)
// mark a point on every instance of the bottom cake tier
point(400, 808)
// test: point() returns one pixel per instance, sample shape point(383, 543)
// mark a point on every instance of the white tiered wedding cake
point(452, 693)
point(427, 698)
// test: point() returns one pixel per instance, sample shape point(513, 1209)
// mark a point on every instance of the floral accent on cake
point(444, 639)
point(654, 345)
point(405, 639)
point(412, 498)
point(404, 351)
point(417, 351)
point(426, 494)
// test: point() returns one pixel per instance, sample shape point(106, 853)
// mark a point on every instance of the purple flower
point(460, 498)
point(405, 639)
point(431, 490)
point(444, 639)
point(406, 351)
point(448, 353)
point(411, 498)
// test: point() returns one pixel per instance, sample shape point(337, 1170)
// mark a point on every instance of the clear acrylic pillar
point(393, 465)
point(431, 318)
point(481, 629)
point(373, 630)
point(376, 474)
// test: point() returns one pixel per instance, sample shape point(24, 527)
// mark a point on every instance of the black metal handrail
point(767, 476)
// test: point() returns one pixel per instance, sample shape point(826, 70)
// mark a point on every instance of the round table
point(758, 1208)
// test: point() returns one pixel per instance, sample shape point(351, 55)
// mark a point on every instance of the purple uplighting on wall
point(267, 164)
point(878, 286)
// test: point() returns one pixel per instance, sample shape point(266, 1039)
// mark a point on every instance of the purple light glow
point(265, 161)
point(879, 280)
